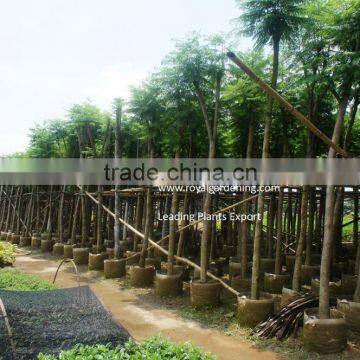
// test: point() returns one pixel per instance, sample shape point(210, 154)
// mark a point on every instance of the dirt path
point(142, 319)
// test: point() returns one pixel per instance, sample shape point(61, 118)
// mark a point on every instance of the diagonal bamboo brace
point(285, 104)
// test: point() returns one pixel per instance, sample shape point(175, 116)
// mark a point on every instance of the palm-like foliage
point(270, 20)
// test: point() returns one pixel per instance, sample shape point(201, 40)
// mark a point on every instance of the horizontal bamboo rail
point(350, 222)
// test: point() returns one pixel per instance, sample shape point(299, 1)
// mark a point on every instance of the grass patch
point(348, 229)
point(11, 279)
point(7, 254)
point(156, 348)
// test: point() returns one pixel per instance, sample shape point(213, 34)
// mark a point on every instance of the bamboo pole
point(284, 103)
point(8, 329)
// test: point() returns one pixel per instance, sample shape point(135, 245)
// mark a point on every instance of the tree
point(202, 66)
point(268, 21)
point(146, 108)
point(343, 33)
point(118, 103)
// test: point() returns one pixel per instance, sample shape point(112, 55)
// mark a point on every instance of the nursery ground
point(145, 315)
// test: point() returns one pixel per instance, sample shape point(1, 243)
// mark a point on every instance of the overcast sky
point(58, 52)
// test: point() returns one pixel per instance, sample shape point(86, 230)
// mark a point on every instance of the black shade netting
point(54, 320)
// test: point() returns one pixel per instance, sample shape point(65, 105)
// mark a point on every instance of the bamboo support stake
point(284, 103)
point(8, 329)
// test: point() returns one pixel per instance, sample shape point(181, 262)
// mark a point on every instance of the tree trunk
point(172, 234)
point(18, 212)
point(75, 221)
point(138, 216)
point(356, 229)
point(324, 296)
point(296, 284)
point(352, 117)
point(181, 242)
point(12, 226)
point(99, 220)
point(206, 231)
point(126, 218)
point(49, 224)
point(356, 237)
point(255, 289)
point(255, 276)
point(9, 209)
point(84, 234)
point(310, 235)
point(148, 227)
point(3, 206)
point(165, 224)
point(279, 221)
point(289, 218)
point(270, 228)
point(338, 210)
point(60, 215)
point(213, 244)
point(117, 250)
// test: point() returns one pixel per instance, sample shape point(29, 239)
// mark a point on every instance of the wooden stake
point(8, 328)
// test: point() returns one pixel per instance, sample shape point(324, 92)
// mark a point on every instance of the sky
point(60, 52)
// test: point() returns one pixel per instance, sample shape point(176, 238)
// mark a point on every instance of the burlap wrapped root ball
point(142, 276)
point(274, 283)
point(81, 256)
point(351, 310)
point(25, 241)
point(168, 285)
point(96, 261)
point(58, 249)
point(47, 245)
point(325, 336)
point(251, 312)
point(35, 241)
point(15, 239)
point(114, 268)
point(205, 294)
point(288, 296)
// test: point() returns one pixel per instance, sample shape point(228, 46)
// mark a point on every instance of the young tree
point(268, 21)
point(343, 33)
point(201, 64)
point(118, 103)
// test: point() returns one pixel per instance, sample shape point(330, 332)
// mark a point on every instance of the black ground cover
point(54, 320)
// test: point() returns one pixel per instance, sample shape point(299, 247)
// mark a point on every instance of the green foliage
point(163, 116)
point(270, 20)
point(7, 254)
point(55, 138)
point(15, 280)
point(146, 107)
point(156, 348)
point(245, 103)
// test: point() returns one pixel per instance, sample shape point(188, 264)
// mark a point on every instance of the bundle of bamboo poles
point(288, 321)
